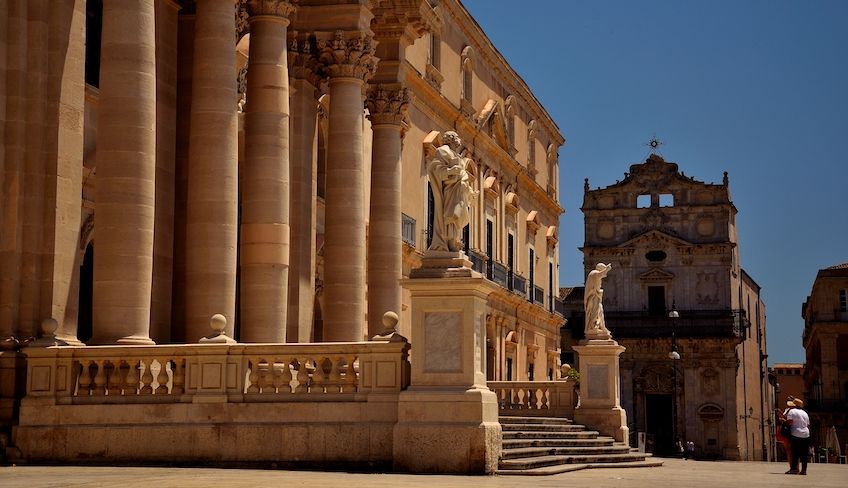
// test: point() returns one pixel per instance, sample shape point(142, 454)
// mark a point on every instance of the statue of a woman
point(593, 303)
point(452, 194)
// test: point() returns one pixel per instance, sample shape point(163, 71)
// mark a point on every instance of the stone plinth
point(600, 389)
point(448, 418)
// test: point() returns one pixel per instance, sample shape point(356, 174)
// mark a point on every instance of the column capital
point(303, 62)
point(347, 54)
point(387, 104)
point(281, 9)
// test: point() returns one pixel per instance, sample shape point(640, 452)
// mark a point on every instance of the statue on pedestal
point(593, 303)
point(452, 194)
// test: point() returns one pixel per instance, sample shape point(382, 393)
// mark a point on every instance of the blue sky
point(755, 88)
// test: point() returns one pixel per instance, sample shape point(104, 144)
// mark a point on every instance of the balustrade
point(227, 372)
point(535, 398)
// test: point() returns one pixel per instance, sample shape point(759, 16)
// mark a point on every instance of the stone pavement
point(675, 473)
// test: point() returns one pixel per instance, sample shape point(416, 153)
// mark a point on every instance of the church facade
point(691, 318)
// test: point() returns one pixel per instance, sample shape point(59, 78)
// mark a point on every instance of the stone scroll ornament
point(452, 194)
point(593, 303)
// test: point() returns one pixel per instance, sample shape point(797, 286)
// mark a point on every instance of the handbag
point(786, 430)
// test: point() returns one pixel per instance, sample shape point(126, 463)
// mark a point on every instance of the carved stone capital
point(347, 55)
point(281, 9)
point(303, 61)
point(387, 105)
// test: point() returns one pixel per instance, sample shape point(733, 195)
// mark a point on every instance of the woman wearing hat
point(800, 436)
point(781, 423)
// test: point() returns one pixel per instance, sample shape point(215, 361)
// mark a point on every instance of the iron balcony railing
point(539, 295)
point(519, 284)
point(690, 323)
point(478, 261)
point(499, 274)
point(407, 229)
point(559, 307)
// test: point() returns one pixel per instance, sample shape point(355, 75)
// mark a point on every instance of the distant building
point(790, 381)
point(825, 339)
point(672, 242)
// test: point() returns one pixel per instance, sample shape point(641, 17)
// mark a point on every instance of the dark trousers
point(800, 452)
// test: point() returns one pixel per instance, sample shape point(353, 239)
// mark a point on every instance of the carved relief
point(706, 227)
point(710, 381)
point(348, 56)
point(387, 105)
point(606, 230)
point(706, 288)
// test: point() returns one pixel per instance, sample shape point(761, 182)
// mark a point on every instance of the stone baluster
point(335, 380)
point(212, 194)
point(126, 169)
point(279, 369)
point(147, 377)
point(264, 251)
point(253, 377)
point(162, 378)
point(302, 375)
point(349, 59)
point(178, 369)
point(131, 379)
point(319, 378)
point(387, 105)
point(99, 379)
point(545, 400)
point(351, 381)
point(84, 378)
point(266, 376)
point(113, 379)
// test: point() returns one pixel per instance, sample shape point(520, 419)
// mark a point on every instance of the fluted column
point(387, 107)
point(349, 60)
point(211, 207)
point(265, 194)
point(304, 172)
point(126, 169)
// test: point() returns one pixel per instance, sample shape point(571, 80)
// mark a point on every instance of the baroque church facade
point(691, 319)
point(164, 161)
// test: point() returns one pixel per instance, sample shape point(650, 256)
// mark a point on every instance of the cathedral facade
point(266, 160)
point(691, 318)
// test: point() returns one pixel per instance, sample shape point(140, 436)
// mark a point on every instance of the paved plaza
point(675, 473)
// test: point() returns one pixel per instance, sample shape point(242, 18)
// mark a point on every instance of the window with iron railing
point(407, 229)
point(539, 295)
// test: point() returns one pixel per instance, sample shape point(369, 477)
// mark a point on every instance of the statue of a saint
point(452, 194)
point(593, 303)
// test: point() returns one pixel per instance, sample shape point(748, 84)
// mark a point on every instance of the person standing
point(690, 450)
point(784, 439)
point(799, 436)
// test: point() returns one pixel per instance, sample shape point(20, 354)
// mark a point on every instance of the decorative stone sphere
point(48, 327)
point(218, 323)
point(390, 320)
point(565, 368)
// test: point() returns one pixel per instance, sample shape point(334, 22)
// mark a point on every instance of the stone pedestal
point(448, 418)
point(600, 389)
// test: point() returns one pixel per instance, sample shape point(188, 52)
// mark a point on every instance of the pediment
point(656, 274)
point(655, 239)
point(491, 120)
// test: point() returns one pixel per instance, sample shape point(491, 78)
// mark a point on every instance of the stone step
point(542, 427)
point(552, 460)
point(569, 442)
point(521, 434)
point(564, 468)
point(530, 452)
point(510, 419)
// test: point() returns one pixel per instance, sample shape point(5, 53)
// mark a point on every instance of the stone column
point(304, 172)
point(387, 107)
point(126, 169)
point(212, 207)
point(349, 59)
point(265, 179)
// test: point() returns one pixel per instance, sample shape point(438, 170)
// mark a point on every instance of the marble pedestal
point(600, 389)
point(448, 418)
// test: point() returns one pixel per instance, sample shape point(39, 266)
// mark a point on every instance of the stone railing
point(200, 373)
point(535, 398)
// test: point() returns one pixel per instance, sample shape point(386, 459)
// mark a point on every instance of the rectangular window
point(435, 50)
point(466, 239)
point(551, 287)
point(843, 300)
point(431, 209)
point(666, 200)
point(509, 369)
point(490, 248)
point(656, 301)
point(530, 372)
point(510, 260)
point(531, 268)
point(643, 201)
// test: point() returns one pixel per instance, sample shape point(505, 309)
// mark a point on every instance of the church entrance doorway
point(658, 416)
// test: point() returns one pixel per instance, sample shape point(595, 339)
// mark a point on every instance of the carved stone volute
point(347, 55)
point(387, 105)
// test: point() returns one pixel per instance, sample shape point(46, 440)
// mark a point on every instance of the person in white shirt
point(800, 436)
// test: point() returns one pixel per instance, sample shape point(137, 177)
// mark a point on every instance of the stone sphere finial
point(565, 368)
point(218, 323)
point(390, 320)
point(49, 327)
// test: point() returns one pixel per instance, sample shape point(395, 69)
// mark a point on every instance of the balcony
point(539, 296)
point(691, 323)
point(559, 307)
point(407, 229)
point(519, 284)
point(500, 274)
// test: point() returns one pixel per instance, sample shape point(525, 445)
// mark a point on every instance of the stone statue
point(593, 303)
point(452, 194)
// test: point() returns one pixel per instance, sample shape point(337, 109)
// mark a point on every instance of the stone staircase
point(543, 446)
